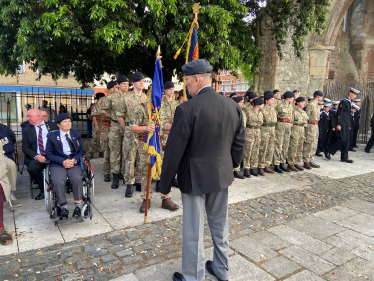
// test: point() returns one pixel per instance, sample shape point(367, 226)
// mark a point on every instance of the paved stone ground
point(325, 229)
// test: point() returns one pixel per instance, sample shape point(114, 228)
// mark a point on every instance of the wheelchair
point(51, 200)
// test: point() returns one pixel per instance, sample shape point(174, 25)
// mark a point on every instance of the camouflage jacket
point(253, 118)
point(269, 114)
point(128, 103)
point(139, 117)
point(300, 117)
point(167, 114)
point(284, 111)
point(313, 111)
point(111, 105)
point(98, 110)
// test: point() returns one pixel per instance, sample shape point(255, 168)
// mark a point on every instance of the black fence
point(14, 107)
point(338, 90)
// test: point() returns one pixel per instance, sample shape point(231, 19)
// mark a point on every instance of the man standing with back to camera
point(205, 143)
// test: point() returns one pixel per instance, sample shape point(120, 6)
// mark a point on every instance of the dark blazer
point(30, 141)
point(9, 148)
point(344, 114)
point(333, 113)
point(55, 153)
point(205, 143)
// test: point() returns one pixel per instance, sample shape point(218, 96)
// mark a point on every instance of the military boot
point(158, 186)
point(238, 175)
point(277, 169)
point(129, 189)
point(138, 187)
point(253, 172)
point(284, 168)
point(115, 181)
point(246, 173)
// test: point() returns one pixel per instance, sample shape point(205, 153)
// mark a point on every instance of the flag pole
point(147, 196)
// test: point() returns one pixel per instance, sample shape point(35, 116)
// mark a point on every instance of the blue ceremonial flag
point(152, 142)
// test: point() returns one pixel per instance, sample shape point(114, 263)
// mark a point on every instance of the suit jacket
point(30, 141)
point(8, 133)
point(205, 143)
point(333, 113)
point(55, 153)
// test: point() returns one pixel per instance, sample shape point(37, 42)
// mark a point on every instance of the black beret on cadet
point(295, 91)
point(251, 95)
point(136, 77)
point(232, 94)
point(258, 101)
point(238, 99)
point(121, 79)
point(168, 85)
point(111, 84)
point(299, 99)
point(99, 95)
point(275, 91)
point(199, 66)
point(62, 117)
point(268, 95)
point(288, 94)
point(318, 93)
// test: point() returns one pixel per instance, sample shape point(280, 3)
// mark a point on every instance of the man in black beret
point(204, 167)
point(233, 95)
point(181, 97)
point(250, 96)
point(277, 100)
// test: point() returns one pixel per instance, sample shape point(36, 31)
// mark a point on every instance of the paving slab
point(304, 275)
point(253, 249)
point(129, 277)
point(280, 266)
point(356, 238)
point(362, 223)
point(268, 239)
point(335, 214)
point(365, 252)
point(354, 270)
point(337, 256)
point(315, 227)
point(300, 239)
point(360, 205)
point(341, 243)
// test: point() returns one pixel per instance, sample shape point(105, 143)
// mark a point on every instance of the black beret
point(121, 79)
point(99, 95)
point(299, 99)
point(111, 84)
point(181, 93)
point(318, 93)
point(268, 95)
point(275, 91)
point(238, 99)
point(288, 94)
point(168, 85)
point(251, 95)
point(199, 66)
point(136, 77)
point(295, 91)
point(258, 101)
point(232, 94)
point(62, 117)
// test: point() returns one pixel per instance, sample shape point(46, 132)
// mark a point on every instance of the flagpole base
point(145, 219)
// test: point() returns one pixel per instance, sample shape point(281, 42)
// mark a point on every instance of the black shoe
point(64, 213)
point(175, 183)
point(367, 150)
point(327, 155)
point(177, 276)
point(77, 212)
point(157, 186)
point(238, 175)
point(40, 196)
point(209, 268)
point(352, 150)
point(138, 187)
point(284, 168)
point(347, 160)
point(319, 154)
point(253, 172)
point(277, 169)
point(115, 181)
point(355, 146)
point(128, 193)
point(246, 173)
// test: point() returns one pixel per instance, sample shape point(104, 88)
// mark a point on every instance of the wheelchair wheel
point(85, 211)
point(47, 192)
point(92, 190)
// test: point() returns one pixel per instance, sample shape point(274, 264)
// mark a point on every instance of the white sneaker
point(14, 201)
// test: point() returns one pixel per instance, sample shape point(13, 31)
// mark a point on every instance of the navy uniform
point(331, 134)
point(371, 140)
point(323, 129)
point(356, 125)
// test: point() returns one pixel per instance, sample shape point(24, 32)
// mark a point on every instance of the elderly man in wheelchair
point(65, 150)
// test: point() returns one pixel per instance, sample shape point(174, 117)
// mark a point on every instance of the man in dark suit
point(64, 150)
point(33, 146)
point(205, 143)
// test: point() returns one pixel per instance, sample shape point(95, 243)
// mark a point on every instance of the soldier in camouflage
point(96, 121)
point(248, 98)
point(267, 135)
point(240, 102)
point(311, 131)
point(300, 121)
point(277, 99)
point(283, 132)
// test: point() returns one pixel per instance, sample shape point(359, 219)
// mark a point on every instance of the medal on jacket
point(78, 142)
point(58, 138)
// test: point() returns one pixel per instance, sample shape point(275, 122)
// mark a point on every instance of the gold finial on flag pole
point(196, 7)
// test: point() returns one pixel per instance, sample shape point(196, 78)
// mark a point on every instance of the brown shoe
point(292, 168)
point(268, 170)
point(106, 177)
point(261, 172)
point(297, 166)
point(314, 165)
point(142, 207)
point(5, 237)
point(307, 166)
point(168, 204)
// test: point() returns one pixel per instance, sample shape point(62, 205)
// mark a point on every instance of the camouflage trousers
point(252, 146)
point(310, 142)
point(295, 152)
point(104, 143)
point(237, 169)
point(130, 151)
point(265, 156)
point(115, 145)
point(282, 141)
point(95, 142)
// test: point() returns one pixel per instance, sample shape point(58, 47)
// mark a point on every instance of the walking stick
point(147, 195)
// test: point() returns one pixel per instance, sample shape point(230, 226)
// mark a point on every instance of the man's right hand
point(339, 127)
point(97, 128)
point(40, 158)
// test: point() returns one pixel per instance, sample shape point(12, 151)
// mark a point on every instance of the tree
point(97, 36)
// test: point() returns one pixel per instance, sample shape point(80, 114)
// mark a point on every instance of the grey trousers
point(193, 256)
point(58, 177)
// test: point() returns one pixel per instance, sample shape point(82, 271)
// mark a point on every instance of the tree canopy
point(98, 36)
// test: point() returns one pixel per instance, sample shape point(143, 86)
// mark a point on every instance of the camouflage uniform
point(167, 117)
point(300, 121)
point(252, 138)
point(267, 137)
point(282, 132)
point(104, 139)
point(95, 143)
point(245, 125)
point(311, 132)
point(111, 105)
point(127, 105)
point(139, 117)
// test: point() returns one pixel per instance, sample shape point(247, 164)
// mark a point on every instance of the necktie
point(40, 141)
point(72, 149)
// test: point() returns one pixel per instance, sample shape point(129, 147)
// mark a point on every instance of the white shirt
point(44, 135)
point(65, 144)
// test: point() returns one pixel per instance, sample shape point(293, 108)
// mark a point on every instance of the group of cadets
point(287, 133)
